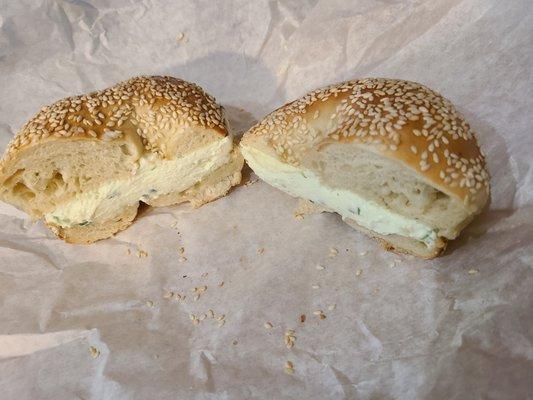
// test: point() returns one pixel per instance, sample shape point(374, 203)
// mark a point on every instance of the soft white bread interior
point(393, 158)
point(84, 163)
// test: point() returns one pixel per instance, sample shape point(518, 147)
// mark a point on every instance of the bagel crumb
point(142, 254)
point(289, 367)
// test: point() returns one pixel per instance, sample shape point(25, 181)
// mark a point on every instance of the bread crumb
point(332, 307)
point(196, 297)
point(289, 368)
point(333, 252)
point(315, 286)
point(150, 303)
point(221, 284)
point(211, 313)
point(204, 275)
point(199, 289)
point(268, 325)
point(142, 254)
point(94, 352)
point(181, 38)
point(251, 182)
point(260, 250)
point(181, 250)
point(128, 251)
point(473, 271)
point(302, 318)
point(320, 267)
point(363, 253)
point(182, 259)
point(298, 215)
point(290, 338)
point(358, 272)
point(168, 295)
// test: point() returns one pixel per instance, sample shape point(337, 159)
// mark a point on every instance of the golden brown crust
point(143, 105)
point(402, 120)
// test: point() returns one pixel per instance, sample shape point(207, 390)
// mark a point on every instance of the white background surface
point(403, 329)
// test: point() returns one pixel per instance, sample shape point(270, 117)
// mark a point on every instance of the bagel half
point(393, 158)
point(84, 163)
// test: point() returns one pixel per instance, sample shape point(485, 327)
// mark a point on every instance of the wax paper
point(245, 297)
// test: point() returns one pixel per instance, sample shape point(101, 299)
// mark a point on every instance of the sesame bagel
point(84, 163)
point(394, 158)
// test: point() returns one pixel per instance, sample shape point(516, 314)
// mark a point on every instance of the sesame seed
point(94, 352)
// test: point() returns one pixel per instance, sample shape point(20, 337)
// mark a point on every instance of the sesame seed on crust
point(399, 119)
point(145, 104)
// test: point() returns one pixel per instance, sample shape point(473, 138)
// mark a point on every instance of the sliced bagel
point(84, 163)
point(393, 158)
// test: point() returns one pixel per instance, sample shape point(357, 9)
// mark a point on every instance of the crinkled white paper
point(94, 322)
